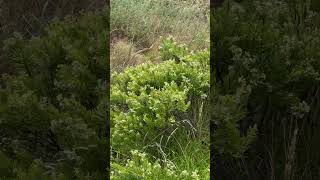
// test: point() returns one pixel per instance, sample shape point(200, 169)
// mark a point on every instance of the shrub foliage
point(149, 103)
point(273, 47)
point(54, 105)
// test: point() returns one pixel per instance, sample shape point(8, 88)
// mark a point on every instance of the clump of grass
point(124, 54)
point(145, 21)
point(190, 154)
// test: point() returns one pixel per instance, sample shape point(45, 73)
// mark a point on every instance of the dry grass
point(124, 54)
point(142, 23)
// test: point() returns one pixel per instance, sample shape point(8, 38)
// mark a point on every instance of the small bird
point(204, 143)
point(176, 59)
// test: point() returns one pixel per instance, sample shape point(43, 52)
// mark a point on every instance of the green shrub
point(171, 50)
point(53, 107)
point(151, 97)
point(32, 15)
point(139, 167)
point(151, 103)
point(272, 46)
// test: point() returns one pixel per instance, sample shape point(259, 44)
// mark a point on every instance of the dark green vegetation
point(54, 101)
point(266, 63)
point(30, 16)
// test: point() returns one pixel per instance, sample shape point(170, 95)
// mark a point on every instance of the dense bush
point(272, 46)
point(54, 105)
point(140, 167)
point(156, 103)
point(31, 16)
